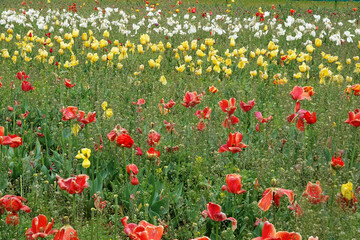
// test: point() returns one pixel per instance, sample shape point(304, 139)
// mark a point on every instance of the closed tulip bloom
point(233, 182)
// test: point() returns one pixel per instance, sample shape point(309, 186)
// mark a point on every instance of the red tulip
point(24, 115)
point(313, 238)
point(337, 162)
point(68, 84)
point(354, 9)
point(69, 113)
point(260, 118)
point(297, 209)
point(212, 89)
point(12, 219)
point(233, 182)
point(193, 10)
point(233, 120)
point(26, 86)
point(170, 127)
point(139, 102)
point(203, 114)
point(292, 11)
point(89, 119)
point(314, 193)
point(152, 153)
point(13, 140)
point(66, 233)
point(354, 118)
point(302, 115)
point(40, 228)
point(153, 138)
point(233, 144)
point(309, 11)
point(269, 233)
point(73, 185)
point(274, 194)
point(22, 76)
point(228, 106)
point(247, 107)
point(201, 238)
point(191, 99)
point(124, 140)
point(133, 170)
point(168, 105)
point(138, 151)
point(99, 205)
point(14, 204)
point(214, 213)
point(299, 94)
point(114, 133)
point(143, 231)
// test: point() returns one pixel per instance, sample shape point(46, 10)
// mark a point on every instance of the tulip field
point(179, 120)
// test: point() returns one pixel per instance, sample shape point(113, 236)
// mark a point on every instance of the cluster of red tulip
point(13, 204)
point(25, 85)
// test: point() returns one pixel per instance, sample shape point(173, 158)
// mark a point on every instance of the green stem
point(125, 175)
point(116, 213)
point(92, 224)
point(74, 209)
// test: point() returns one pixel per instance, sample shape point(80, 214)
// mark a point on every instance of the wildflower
point(214, 213)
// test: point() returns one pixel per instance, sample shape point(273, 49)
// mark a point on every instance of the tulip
point(233, 182)
point(214, 213)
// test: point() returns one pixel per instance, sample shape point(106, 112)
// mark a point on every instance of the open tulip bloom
point(233, 144)
point(214, 213)
point(40, 228)
point(269, 233)
point(274, 194)
point(143, 231)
